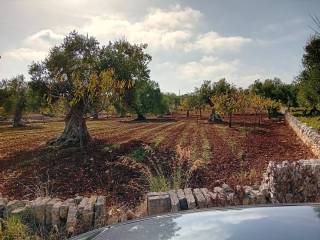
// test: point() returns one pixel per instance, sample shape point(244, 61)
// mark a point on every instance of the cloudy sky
point(189, 40)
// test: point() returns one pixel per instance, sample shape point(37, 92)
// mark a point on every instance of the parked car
point(266, 222)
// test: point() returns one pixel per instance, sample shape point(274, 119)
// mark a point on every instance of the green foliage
point(140, 154)
point(276, 90)
point(172, 101)
point(309, 79)
point(177, 178)
point(158, 183)
point(311, 121)
point(13, 229)
point(14, 94)
point(145, 97)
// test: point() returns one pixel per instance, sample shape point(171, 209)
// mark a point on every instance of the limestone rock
point(55, 213)
point(182, 199)
point(72, 221)
point(158, 203)
point(207, 196)
point(100, 211)
point(190, 198)
point(200, 199)
point(175, 205)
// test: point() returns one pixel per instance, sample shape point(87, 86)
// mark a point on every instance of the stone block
point(55, 214)
point(14, 204)
point(49, 207)
point(38, 207)
point(100, 212)
point(158, 204)
point(65, 207)
point(200, 199)
point(86, 210)
point(175, 205)
point(190, 198)
point(3, 207)
point(207, 196)
point(72, 221)
point(78, 199)
point(182, 199)
point(21, 212)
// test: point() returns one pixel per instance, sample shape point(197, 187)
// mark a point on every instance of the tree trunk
point(230, 119)
point(95, 115)
point(75, 131)
point(188, 113)
point(140, 117)
point(17, 119)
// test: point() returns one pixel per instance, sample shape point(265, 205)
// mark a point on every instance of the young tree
point(72, 71)
point(188, 103)
point(14, 98)
point(258, 104)
point(227, 103)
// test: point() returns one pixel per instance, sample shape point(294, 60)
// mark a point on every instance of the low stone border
point(74, 215)
point(287, 182)
point(307, 134)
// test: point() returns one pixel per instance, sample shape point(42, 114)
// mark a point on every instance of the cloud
point(212, 42)
point(25, 54)
point(177, 17)
point(207, 68)
point(107, 28)
point(43, 39)
point(182, 56)
point(36, 46)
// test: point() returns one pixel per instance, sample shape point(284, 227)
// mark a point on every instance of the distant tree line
point(82, 78)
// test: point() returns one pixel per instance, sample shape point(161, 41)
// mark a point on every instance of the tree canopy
point(309, 79)
point(83, 74)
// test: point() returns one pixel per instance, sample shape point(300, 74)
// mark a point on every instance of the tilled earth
point(236, 155)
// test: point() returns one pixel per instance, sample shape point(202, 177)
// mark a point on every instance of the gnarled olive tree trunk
point(17, 118)
point(140, 117)
point(75, 132)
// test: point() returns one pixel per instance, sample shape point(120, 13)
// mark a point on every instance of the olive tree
point(14, 98)
point(72, 72)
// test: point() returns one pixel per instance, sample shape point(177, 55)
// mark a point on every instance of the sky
point(189, 40)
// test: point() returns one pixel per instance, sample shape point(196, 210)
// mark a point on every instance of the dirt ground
point(236, 155)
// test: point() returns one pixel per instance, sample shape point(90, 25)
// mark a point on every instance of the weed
point(177, 179)
point(158, 183)
point(13, 229)
point(140, 154)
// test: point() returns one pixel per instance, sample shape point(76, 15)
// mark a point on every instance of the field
point(125, 153)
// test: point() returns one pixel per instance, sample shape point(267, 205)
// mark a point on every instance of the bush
point(158, 183)
point(13, 229)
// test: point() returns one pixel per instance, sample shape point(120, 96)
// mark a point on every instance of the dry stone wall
point(74, 215)
point(308, 135)
point(286, 182)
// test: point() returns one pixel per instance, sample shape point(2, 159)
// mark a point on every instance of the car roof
point(262, 222)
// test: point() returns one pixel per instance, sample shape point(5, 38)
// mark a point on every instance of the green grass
point(158, 184)
point(140, 154)
point(311, 121)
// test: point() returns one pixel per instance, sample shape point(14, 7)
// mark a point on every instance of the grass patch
point(311, 121)
point(140, 154)
point(158, 183)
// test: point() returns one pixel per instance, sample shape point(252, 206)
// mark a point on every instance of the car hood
point(281, 222)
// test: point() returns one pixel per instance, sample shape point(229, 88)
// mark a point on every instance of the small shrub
point(140, 154)
point(177, 179)
point(13, 229)
point(158, 183)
